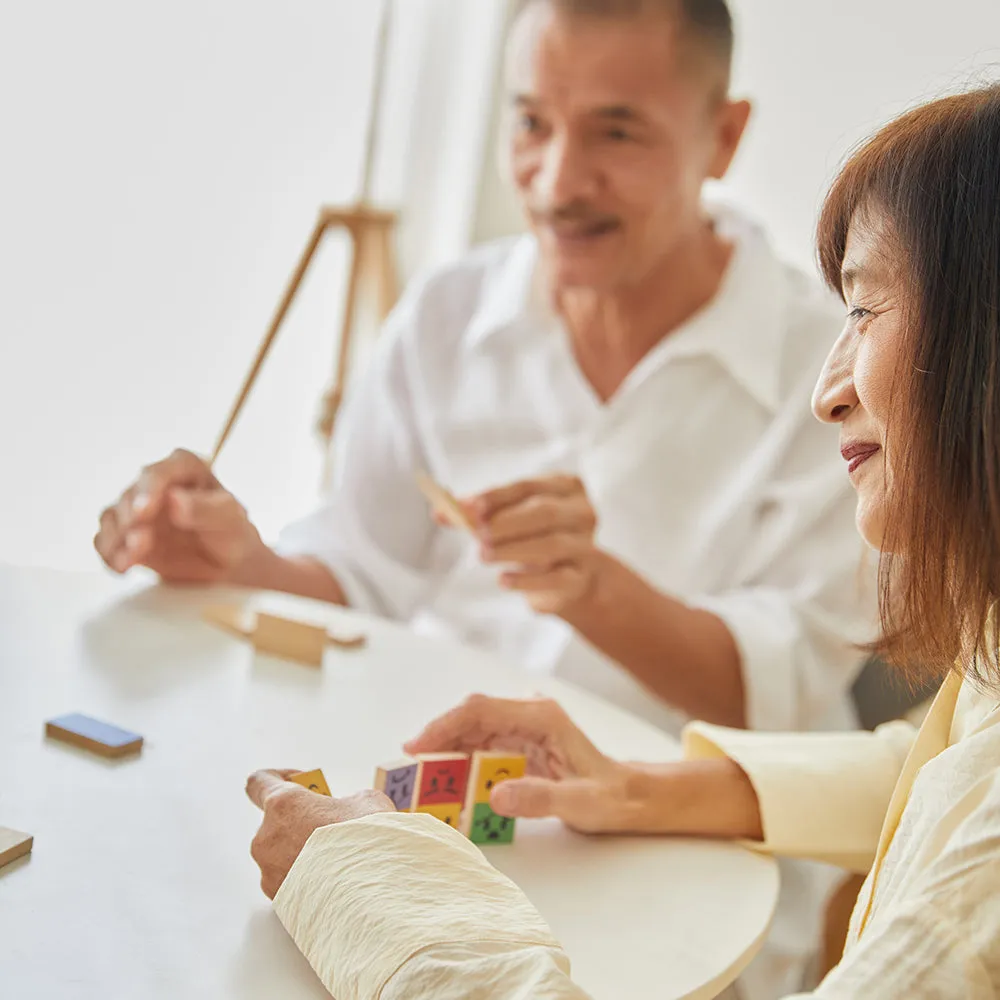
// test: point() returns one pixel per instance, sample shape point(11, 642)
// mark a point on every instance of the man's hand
point(567, 776)
point(291, 815)
point(179, 521)
point(543, 531)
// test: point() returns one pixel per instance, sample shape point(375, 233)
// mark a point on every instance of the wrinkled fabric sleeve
point(402, 907)
point(822, 796)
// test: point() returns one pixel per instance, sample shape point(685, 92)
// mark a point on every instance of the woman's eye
point(858, 314)
point(618, 135)
point(529, 123)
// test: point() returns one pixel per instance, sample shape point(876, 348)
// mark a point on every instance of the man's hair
point(706, 24)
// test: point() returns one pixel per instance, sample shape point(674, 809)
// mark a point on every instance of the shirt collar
point(742, 328)
point(511, 292)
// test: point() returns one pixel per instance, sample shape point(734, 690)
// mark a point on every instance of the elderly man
point(621, 400)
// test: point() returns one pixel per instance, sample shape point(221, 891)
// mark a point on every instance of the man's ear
point(731, 123)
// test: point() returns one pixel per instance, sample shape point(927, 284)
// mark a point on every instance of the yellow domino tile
point(313, 780)
point(450, 813)
point(489, 769)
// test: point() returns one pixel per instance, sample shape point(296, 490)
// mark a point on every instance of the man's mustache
point(577, 212)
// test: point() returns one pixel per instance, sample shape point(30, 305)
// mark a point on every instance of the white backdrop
point(822, 75)
point(161, 168)
point(825, 74)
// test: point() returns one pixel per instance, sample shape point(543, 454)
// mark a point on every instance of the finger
point(543, 552)
point(487, 504)
point(481, 720)
point(182, 468)
point(563, 579)
point(109, 539)
point(203, 509)
point(536, 798)
point(262, 786)
point(139, 544)
point(540, 514)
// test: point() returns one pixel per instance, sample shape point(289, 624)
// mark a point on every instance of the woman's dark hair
point(931, 178)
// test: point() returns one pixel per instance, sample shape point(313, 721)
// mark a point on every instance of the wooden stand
point(372, 233)
point(275, 635)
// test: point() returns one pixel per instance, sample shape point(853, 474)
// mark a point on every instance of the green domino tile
point(489, 828)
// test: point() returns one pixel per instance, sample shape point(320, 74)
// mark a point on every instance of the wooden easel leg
point(387, 272)
point(334, 396)
point(291, 290)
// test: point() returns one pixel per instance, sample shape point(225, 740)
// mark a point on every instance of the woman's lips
point(857, 453)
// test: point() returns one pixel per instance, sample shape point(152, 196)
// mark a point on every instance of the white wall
point(161, 168)
point(823, 75)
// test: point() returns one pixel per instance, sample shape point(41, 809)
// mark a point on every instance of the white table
point(141, 885)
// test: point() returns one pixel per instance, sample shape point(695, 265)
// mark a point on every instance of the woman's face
point(855, 387)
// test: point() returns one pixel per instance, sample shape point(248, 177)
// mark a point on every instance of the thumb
point(263, 785)
point(538, 797)
point(202, 510)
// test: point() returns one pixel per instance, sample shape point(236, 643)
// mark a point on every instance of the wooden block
point(242, 623)
point(486, 827)
point(90, 734)
point(313, 780)
point(13, 845)
point(444, 503)
point(443, 779)
point(488, 768)
point(400, 780)
point(450, 813)
point(289, 639)
point(233, 620)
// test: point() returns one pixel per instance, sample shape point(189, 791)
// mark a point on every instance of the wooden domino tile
point(291, 640)
point(313, 780)
point(487, 770)
point(443, 502)
point(13, 845)
point(400, 780)
point(93, 735)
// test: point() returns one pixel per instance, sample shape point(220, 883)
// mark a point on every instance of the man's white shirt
point(708, 473)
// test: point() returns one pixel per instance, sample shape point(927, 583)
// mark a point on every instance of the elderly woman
point(910, 237)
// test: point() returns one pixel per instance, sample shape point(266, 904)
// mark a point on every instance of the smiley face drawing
point(313, 780)
point(400, 786)
point(443, 781)
point(493, 769)
point(489, 828)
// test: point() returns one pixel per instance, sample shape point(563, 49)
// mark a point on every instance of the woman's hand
point(568, 777)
